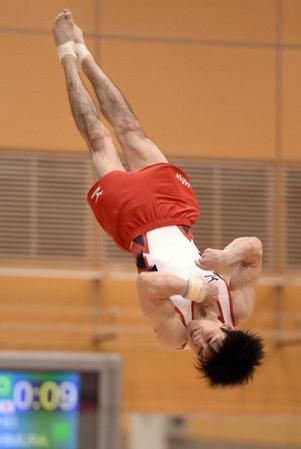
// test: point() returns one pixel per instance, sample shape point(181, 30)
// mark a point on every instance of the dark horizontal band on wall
point(163, 40)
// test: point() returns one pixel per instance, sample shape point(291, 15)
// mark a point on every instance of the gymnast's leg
point(104, 155)
point(138, 149)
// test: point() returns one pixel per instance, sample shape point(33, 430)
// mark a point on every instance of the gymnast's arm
point(244, 256)
point(157, 286)
point(154, 290)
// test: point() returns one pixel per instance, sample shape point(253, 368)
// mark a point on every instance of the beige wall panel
point(38, 15)
point(34, 105)
point(196, 100)
point(40, 342)
point(262, 429)
point(46, 292)
point(291, 19)
point(291, 100)
point(160, 380)
point(231, 20)
point(155, 379)
point(46, 314)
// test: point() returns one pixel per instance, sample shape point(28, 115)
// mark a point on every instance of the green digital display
point(39, 410)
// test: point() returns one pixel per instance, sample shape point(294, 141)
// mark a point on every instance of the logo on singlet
point(212, 277)
point(183, 180)
point(96, 194)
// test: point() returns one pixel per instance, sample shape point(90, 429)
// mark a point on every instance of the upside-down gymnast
point(149, 211)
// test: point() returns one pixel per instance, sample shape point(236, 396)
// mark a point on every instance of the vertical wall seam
point(279, 192)
point(97, 31)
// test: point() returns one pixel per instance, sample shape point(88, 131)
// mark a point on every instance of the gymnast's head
point(226, 357)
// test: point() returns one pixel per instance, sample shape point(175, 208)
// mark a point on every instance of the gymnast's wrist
point(195, 290)
point(187, 287)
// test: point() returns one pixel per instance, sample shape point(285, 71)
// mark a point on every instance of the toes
point(67, 11)
point(59, 17)
point(68, 15)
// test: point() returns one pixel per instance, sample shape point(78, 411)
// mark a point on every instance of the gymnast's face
point(206, 336)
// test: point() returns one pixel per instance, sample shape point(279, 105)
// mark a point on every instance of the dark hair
point(235, 361)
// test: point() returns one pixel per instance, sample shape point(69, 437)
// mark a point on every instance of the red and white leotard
point(171, 250)
point(150, 213)
point(128, 204)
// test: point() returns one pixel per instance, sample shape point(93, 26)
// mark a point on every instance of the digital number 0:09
point(51, 395)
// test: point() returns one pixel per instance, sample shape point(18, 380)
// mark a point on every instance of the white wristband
point(196, 290)
point(65, 49)
point(82, 52)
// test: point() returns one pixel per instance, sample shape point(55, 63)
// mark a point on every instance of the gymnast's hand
point(211, 259)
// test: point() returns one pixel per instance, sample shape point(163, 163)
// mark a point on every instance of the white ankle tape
point(82, 52)
point(65, 49)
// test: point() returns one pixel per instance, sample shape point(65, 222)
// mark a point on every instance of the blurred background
point(216, 84)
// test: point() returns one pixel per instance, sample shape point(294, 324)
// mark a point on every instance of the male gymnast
point(149, 211)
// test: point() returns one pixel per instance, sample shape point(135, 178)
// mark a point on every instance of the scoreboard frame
point(107, 368)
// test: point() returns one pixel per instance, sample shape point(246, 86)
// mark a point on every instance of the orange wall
point(59, 314)
point(207, 78)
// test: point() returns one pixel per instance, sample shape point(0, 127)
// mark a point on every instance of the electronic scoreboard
point(54, 400)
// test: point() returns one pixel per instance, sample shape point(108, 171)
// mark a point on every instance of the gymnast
point(149, 211)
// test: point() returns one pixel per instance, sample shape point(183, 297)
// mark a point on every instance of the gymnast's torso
point(171, 250)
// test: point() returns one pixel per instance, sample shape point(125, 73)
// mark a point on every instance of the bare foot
point(78, 35)
point(63, 27)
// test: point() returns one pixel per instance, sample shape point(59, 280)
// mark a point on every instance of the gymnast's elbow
point(257, 244)
point(255, 248)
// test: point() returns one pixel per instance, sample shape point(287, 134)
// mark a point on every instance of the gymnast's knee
point(98, 137)
point(128, 125)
